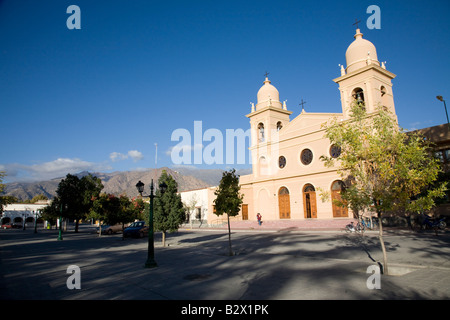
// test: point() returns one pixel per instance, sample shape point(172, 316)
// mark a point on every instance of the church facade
point(287, 174)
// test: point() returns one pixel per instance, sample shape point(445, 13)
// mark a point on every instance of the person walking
point(259, 217)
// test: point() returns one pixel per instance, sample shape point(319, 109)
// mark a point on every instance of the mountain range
point(123, 182)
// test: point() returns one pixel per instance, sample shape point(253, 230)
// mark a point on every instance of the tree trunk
point(230, 252)
point(383, 247)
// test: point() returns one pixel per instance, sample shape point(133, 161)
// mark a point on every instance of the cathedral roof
point(360, 53)
point(268, 94)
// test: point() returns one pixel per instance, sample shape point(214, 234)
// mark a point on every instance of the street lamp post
point(60, 223)
point(150, 263)
point(445, 106)
point(35, 221)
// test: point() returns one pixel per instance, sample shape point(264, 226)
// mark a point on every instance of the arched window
point(309, 188)
point(18, 220)
point(338, 185)
point(283, 190)
point(282, 162)
point(358, 95)
point(384, 96)
point(279, 125)
point(6, 220)
point(261, 137)
point(29, 219)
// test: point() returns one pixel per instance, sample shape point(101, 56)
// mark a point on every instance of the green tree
point(36, 198)
point(4, 199)
point(52, 211)
point(128, 210)
point(385, 169)
point(139, 209)
point(90, 188)
point(169, 213)
point(112, 210)
point(76, 195)
point(228, 199)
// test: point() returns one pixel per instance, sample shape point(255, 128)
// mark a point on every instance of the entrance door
point(309, 202)
point(284, 203)
point(245, 212)
point(336, 188)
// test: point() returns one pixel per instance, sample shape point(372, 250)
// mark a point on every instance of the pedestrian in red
point(258, 216)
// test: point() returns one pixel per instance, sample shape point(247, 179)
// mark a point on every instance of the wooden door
point(309, 202)
point(245, 212)
point(284, 203)
point(336, 189)
point(313, 204)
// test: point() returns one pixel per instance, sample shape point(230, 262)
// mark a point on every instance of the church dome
point(268, 94)
point(360, 53)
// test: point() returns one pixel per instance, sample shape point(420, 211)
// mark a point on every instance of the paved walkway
point(304, 224)
point(283, 264)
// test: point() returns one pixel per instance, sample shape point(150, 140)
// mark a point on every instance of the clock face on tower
point(306, 156)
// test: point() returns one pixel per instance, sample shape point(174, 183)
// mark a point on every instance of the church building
point(287, 173)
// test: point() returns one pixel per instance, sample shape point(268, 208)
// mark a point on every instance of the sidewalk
point(304, 225)
point(278, 225)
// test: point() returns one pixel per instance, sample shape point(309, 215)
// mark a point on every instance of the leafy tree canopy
point(384, 168)
point(228, 199)
point(169, 213)
point(75, 195)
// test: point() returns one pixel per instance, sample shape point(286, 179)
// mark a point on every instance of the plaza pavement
point(288, 263)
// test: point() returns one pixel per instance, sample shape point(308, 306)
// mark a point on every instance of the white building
point(197, 203)
point(17, 213)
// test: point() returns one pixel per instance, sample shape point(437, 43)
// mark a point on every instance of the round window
point(306, 156)
point(335, 151)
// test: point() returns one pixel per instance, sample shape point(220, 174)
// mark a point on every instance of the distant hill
point(120, 182)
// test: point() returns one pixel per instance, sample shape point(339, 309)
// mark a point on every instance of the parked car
point(137, 229)
point(108, 229)
point(7, 226)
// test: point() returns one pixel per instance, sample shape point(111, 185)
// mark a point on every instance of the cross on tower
point(302, 103)
point(266, 74)
point(356, 23)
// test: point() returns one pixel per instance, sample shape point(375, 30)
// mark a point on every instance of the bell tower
point(267, 118)
point(365, 79)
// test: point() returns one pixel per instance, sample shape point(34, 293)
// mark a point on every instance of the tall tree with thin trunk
point(228, 199)
point(169, 212)
point(386, 170)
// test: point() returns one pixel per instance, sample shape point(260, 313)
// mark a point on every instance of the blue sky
point(99, 98)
